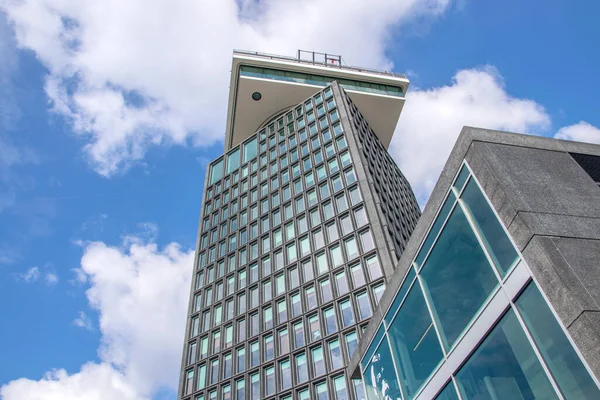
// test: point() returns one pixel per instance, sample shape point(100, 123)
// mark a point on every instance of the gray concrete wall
point(551, 208)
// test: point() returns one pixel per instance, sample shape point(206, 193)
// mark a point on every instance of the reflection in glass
point(457, 277)
point(380, 376)
point(504, 367)
point(414, 343)
point(571, 375)
point(501, 249)
point(448, 393)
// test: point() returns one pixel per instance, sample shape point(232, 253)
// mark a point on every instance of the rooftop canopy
point(263, 86)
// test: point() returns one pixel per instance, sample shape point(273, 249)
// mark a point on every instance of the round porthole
point(256, 96)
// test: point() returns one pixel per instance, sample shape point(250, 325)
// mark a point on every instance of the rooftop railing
point(323, 59)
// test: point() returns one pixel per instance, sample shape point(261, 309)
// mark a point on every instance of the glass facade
point(464, 264)
point(288, 271)
point(320, 80)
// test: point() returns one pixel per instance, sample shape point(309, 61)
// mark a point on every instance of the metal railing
point(315, 58)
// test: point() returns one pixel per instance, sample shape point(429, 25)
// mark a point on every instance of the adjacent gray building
point(497, 293)
point(303, 219)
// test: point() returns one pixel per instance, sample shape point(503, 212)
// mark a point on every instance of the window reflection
point(414, 343)
point(501, 249)
point(380, 376)
point(564, 363)
point(457, 277)
point(504, 367)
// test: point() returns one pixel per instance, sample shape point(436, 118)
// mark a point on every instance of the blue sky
point(109, 114)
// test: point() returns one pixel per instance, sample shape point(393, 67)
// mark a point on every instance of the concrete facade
point(550, 206)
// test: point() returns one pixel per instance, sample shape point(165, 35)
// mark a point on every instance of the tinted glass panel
point(457, 269)
point(501, 249)
point(414, 342)
point(504, 367)
point(564, 363)
point(381, 380)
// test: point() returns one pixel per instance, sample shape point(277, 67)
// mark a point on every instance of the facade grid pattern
point(397, 201)
point(288, 270)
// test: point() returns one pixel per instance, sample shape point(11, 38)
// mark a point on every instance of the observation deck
point(263, 86)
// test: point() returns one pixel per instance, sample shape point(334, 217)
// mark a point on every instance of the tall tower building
point(303, 219)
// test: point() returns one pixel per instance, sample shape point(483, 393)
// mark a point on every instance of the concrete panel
point(585, 332)
point(540, 180)
point(526, 224)
point(560, 278)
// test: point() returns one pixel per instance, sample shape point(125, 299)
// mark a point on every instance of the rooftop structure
point(263, 86)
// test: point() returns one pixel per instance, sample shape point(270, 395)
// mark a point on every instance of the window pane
point(254, 354)
point(299, 335)
point(380, 375)
point(321, 390)
point(301, 368)
point(335, 354)
point(504, 367)
point(269, 381)
point(501, 249)
point(364, 305)
point(269, 347)
point(571, 375)
point(318, 361)
point(457, 269)
point(286, 374)
point(326, 292)
point(347, 313)
point(314, 327)
point(414, 341)
point(330, 321)
point(366, 239)
point(449, 393)
point(339, 385)
point(342, 283)
point(351, 248)
point(351, 343)
point(374, 267)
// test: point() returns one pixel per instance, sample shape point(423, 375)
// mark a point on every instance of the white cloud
point(432, 120)
point(83, 321)
point(132, 74)
point(93, 382)
point(51, 278)
point(580, 132)
point(31, 275)
point(141, 295)
point(140, 292)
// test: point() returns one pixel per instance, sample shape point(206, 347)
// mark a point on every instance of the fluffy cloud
point(131, 74)
point(93, 382)
point(580, 132)
point(140, 292)
point(432, 120)
point(141, 296)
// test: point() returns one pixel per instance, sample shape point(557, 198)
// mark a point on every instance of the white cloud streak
point(34, 274)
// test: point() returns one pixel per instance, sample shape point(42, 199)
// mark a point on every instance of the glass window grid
point(340, 334)
point(462, 178)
